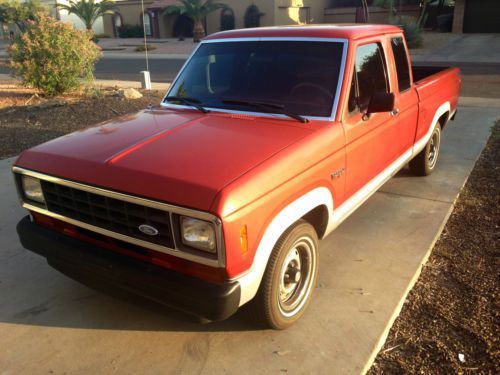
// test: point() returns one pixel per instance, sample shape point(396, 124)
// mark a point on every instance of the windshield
point(299, 76)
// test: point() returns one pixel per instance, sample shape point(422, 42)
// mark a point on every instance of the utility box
point(145, 80)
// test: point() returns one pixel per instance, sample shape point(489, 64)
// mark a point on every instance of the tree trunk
point(198, 31)
point(423, 18)
point(362, 15)
point(366, 14)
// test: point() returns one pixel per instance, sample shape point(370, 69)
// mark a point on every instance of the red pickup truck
point(265, 142)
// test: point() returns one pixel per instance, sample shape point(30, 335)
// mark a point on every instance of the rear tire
point(425, 162)
point(289, 279)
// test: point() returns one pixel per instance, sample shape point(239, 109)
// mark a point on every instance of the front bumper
point(105, 270)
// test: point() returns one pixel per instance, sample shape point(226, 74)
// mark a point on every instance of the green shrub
point(131, 31)
point(411, 30)
point(142, 48)
point(52, 56)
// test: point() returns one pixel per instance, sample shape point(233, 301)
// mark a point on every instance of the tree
point(53, 56)
point(197, 10)
point(19, 13)
point(88, 11)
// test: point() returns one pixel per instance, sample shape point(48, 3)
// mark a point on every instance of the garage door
point(482, 16)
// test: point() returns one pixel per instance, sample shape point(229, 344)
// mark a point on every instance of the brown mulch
point(28, 119)
point(450, 322)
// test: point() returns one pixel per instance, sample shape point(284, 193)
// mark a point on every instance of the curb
point(142, 56)
point(162, 86)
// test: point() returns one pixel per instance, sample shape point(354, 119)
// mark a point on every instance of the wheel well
point(318, 218)
point(443, 120)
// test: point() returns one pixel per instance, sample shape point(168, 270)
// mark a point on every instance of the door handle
point(395, 112)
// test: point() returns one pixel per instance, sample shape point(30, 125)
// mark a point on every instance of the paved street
point(51, 324)
point(127, 68)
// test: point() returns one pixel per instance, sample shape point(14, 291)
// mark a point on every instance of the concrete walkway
point(51, 324)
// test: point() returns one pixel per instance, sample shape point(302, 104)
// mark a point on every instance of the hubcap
point(433, 149)
point(296, 276)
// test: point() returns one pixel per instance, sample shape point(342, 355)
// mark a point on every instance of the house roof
point(160, 4)
point(344, 31)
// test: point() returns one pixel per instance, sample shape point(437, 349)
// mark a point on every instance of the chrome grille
point(108, 213)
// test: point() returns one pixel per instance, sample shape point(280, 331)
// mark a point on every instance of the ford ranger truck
point(265, 142)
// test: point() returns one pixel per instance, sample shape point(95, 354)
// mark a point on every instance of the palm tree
point(197, 10)
point(88, 11)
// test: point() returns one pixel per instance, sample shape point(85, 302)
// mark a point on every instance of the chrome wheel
point(433, 149)
point(296, 275)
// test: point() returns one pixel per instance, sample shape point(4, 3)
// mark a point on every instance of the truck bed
point(422, 72)
point(435, 86)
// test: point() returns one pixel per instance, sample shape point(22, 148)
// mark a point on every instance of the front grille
point(108, 213)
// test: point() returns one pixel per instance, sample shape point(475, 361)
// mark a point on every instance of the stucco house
point(272, 12)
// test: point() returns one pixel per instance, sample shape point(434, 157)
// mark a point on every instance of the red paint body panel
point(246, 169)
point(176, 157)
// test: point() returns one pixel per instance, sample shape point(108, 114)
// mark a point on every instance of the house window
point(117, 23)
point(252, 16)
point(227, 21)
point(147, 22)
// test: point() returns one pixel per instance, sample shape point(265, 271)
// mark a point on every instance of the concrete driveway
point(51, 324)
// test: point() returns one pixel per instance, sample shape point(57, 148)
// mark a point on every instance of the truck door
point(406, 97)
point(368, 138)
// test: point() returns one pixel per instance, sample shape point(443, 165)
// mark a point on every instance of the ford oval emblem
point(148, 229)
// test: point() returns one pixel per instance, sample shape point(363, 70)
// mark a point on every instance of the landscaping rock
point(129, 93)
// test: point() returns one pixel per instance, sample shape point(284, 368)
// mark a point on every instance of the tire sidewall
point(428, 167)
point(278, 319)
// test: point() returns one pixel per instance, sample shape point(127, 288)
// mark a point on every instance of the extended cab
point(266, 141)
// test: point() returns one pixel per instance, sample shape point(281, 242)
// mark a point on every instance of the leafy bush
point(20, 12)
point(411, 30)
point(142, 48)
point(52, 56)
point(131, 31)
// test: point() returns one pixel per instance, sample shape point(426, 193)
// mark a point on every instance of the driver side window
point(370, 76)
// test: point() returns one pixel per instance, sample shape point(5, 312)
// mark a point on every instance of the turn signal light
point(243, 239)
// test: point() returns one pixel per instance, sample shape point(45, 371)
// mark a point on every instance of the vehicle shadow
point(64, 303)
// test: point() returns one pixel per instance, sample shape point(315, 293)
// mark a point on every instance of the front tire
point(425, 162)
point(289, 279)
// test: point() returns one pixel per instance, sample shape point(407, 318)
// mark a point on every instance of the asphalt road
point(127, 69)
point(165, 70)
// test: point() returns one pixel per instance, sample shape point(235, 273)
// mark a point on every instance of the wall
point(239, 7)
point(377, 15)
point(130, 11)
point(295, 12)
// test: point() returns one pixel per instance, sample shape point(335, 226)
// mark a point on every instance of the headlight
point(32, 189)
point(199, 234)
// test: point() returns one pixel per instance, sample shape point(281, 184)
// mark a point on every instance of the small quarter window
point(401, 60)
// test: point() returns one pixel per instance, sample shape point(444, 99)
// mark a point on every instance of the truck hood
point(179, 157)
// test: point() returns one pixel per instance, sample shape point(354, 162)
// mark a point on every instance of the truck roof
point(342, 31)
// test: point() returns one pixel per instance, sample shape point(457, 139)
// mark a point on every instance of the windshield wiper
point(192, 102)
point(264, 105)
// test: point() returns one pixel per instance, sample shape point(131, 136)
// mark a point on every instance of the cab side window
point(370, 76)
point(401, 60)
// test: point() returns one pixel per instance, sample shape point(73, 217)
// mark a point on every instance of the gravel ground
point(450, 322)
point(27, 120)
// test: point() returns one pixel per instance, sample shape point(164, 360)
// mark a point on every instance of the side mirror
point(381, 102)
